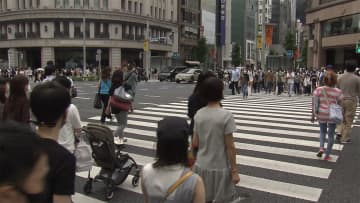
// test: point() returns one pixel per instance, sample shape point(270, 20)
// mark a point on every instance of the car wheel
point(177, 81)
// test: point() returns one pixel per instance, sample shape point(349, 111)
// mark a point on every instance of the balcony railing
point(104, 35)
point(3, 36)
point(80, 35)
point(61, 35)
point(20, 35)
point(33, 35)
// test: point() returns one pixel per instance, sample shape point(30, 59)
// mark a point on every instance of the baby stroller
point(115, 166)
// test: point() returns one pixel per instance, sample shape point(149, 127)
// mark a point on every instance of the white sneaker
point(118, 141)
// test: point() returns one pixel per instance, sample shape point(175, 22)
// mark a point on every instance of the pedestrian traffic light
point(358, 47)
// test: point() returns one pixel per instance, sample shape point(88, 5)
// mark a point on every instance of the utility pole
point(263, 58)
point(84, 44)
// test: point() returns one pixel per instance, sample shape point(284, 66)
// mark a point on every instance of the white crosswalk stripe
point(273, 136)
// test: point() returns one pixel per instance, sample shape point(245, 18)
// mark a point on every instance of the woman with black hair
point(17, 105)
point(120, 115)
point(213, 135)
point(104, 89)
point(195, 101)
point(171, 166)
point(24, 165)
point(3, 88)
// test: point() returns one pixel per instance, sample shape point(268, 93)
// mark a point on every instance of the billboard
point(208, 22)
point(269, 34)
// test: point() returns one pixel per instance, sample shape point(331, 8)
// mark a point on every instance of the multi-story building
point(189, 20)
point(334, 31)
point(243, 28)
point(33, 32)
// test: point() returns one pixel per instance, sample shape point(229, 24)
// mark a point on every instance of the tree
point(290, 41)
point(235, 55)
point(201, 51)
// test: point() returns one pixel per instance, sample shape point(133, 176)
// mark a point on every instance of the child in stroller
point(115, 166)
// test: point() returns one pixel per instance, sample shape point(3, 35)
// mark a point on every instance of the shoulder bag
point(335, 110)
point(83, 154)
point(97, 100)
point(174, 186)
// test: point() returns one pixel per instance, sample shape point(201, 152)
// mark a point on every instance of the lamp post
point(84, 43)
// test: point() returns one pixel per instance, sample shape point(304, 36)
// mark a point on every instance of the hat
point(173, 128)
point(329, 67)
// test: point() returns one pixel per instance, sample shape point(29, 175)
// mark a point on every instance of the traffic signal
point(358, 47)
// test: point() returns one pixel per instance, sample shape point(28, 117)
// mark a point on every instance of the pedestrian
point(130, 83)
point(24, 164)
point(213, 136)
point(349, 84)
point(17, 105)
point(235, 76)
point(3, 90)
point(307, 84)
point(244, 84)
point(72, 126)
point(49, 103)
point(297, 82)
point(121, 116)
point(290, 76)
point(324, 96)
point(171, 165)
point(196, 101)
point(104, 90)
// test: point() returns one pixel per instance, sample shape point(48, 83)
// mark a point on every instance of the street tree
point(201, 51)
point(290, 41)
point(235, 55)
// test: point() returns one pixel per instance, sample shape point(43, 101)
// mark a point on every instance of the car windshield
point(188, 70)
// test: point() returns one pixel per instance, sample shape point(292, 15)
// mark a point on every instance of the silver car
point(188, 75)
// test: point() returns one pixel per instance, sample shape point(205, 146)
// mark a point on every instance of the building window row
point(75, 30)
point(158, 13)
point(19, 4)
point(341, 26)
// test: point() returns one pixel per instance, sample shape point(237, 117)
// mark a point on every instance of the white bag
point(83, 154)
point(335, 110)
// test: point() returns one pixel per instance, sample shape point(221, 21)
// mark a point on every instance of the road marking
point(260, 184)
point(85, 98)
point(80, 198)
point(143, 89)
point(148, 104)
point(154, 96)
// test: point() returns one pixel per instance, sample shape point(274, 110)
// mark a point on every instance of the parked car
point(188, 75)
point(170, 73)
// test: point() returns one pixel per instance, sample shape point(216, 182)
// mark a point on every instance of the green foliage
point(304, 52)
point(201, 51)
point(290, 41)
point(235, 55)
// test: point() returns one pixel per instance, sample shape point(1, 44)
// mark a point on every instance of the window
point(37, 3)
point(77, 3)
point(172, 15)
point(116, 30)
point(151, 11)
point(66, 4)
point(164, 14)
point(341, 26)
point(58, 3)
point(160, 13)
point(156, 12)
point(135, 7)
point(123, 4)
point(129, 6)
point(141, 8)
point(86, 3)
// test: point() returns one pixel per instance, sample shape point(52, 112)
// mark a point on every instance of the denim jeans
point(122, 122)
point(244, 90)
point(327, 128)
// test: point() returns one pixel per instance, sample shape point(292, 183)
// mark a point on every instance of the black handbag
point(97, 100)
point(231, 85)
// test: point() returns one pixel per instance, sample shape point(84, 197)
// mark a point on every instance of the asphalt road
point(276, 146)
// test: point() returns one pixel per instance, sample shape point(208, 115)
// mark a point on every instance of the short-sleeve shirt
point(235, 74)
point(334, 96)
point(61, 177)
point(211, 126)
point(66, 135)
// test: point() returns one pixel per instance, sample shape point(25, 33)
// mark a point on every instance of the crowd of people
point(46, 172)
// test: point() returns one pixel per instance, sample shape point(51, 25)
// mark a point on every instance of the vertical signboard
point(222, 21)
point(268, 34)
point(259, 41)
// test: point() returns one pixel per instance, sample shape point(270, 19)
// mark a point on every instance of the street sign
point(357, 47)
point(146, 45)
point(290, 53)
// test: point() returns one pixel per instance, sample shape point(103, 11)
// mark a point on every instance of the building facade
point(33, 32)
point(243, 28)
point(189, 20)
point(334, 27)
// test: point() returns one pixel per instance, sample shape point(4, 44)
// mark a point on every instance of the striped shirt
point(334, 95)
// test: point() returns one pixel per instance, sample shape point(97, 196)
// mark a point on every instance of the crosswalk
point(275, 142)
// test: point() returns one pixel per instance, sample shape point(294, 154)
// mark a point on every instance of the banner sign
point(222, 21)
point(269, 34)
point(259, 41)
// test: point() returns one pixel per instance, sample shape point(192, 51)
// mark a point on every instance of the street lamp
point(84, 43)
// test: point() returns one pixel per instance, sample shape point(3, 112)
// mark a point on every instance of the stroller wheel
point(109, 194)
point(88, 187)
point(135, 181)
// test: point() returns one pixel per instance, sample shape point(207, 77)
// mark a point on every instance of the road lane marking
point(153, 96)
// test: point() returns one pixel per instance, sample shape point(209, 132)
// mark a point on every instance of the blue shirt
point(105, 86)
